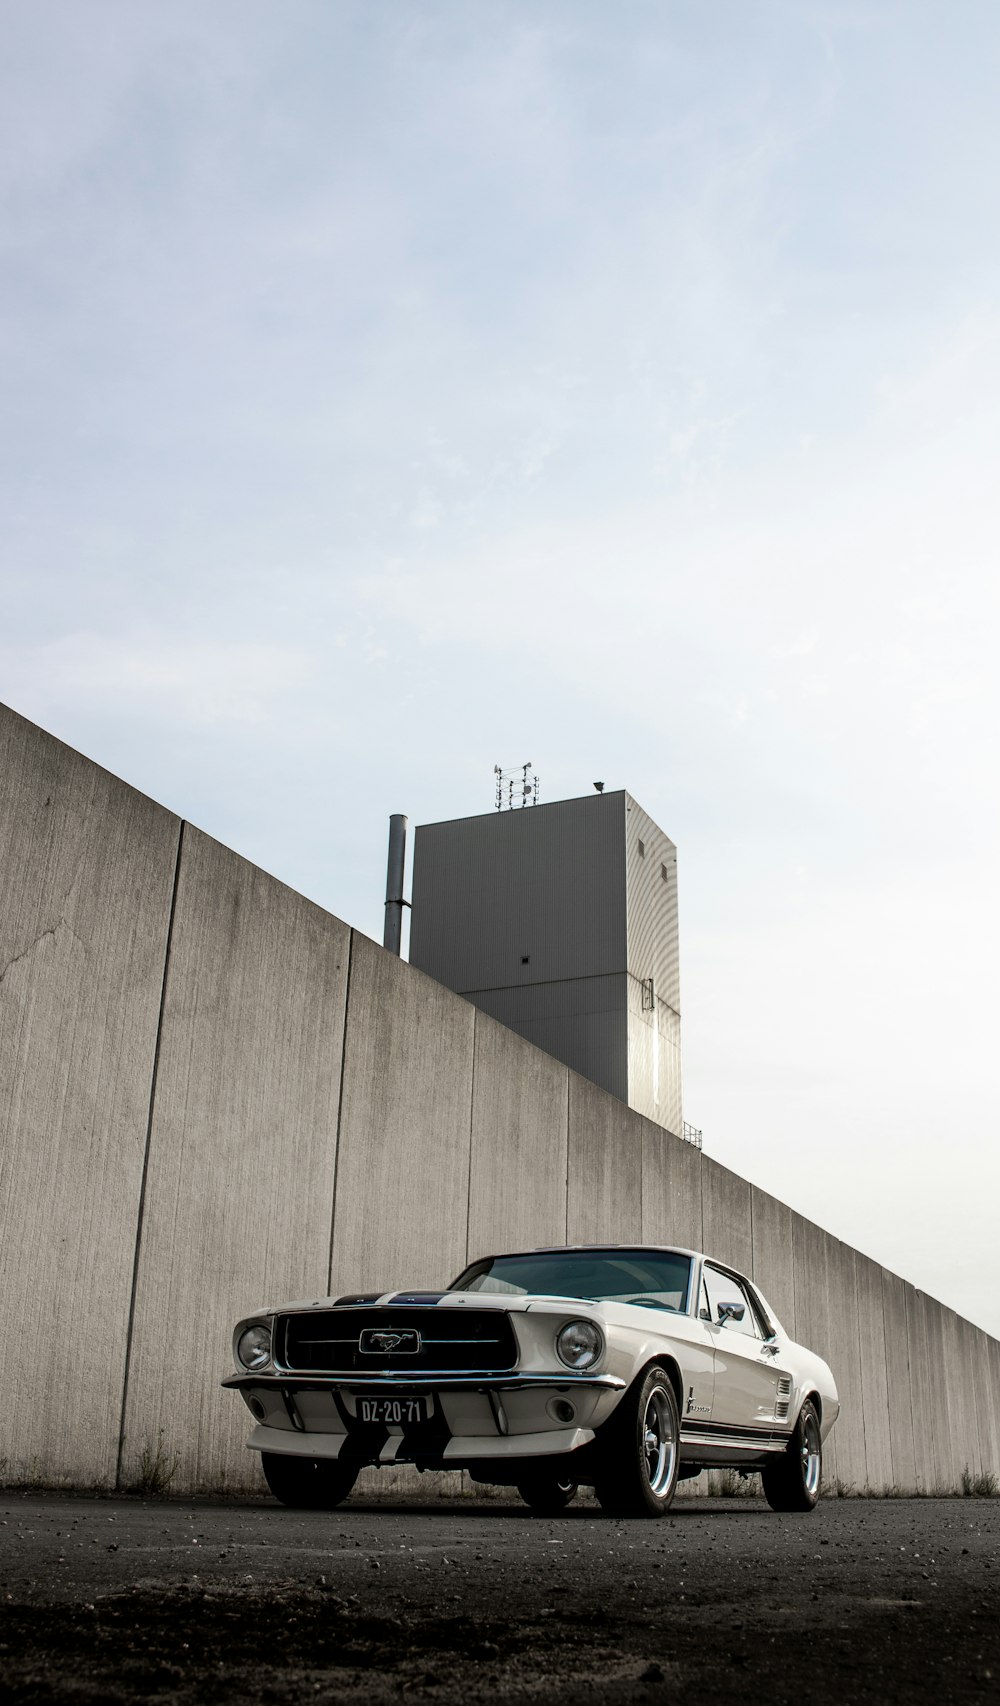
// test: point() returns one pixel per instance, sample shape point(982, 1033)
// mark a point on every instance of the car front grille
point(329, 1341)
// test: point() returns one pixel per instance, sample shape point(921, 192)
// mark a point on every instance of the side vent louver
point(784, 1398)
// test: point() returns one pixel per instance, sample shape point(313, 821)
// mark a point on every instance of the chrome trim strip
point(731, 1442)
point(733, 1430)
point(472, 1380)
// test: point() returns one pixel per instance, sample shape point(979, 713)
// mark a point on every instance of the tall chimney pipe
point(394, 902)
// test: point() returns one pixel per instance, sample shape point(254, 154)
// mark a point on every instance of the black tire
point(546, 1493)
point(308, 1483)
point(639, 1450)
point(792, 1482)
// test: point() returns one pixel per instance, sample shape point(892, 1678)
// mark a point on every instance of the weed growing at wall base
point(731, 1484)
point(157, 1469)
point(32, 1478)
point(983, 1486)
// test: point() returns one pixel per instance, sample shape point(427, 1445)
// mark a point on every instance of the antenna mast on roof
point(517, 787)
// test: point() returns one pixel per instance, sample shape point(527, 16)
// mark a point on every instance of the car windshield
point(657, 1278)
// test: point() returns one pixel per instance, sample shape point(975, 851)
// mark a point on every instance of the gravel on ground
point(723, 1601)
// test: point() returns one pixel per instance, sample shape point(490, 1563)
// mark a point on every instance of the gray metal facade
point(653, 962)
point(561, 922)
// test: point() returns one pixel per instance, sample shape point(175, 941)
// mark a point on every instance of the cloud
point(189, 683)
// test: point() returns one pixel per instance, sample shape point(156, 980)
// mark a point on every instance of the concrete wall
point(874, 1374)
point(215, 1095)
point(243, 1142)
point(519, 1143)
point(604, 1188)
point(401, 1210)
point(86, 877)
point(671, 1189)
point(903, 1437)
point(727, 1228)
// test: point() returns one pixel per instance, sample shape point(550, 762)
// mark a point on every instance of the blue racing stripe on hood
point(424, 1297)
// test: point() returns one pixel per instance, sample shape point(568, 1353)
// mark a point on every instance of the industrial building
point(561, 921)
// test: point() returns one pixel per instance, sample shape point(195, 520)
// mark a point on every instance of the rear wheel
point(547, 1494)
point(640, 1450)
point(307, 1483)
point(792, 1482)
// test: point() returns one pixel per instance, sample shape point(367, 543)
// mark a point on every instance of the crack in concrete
point(53, 931)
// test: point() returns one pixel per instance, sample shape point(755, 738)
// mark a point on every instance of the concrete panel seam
point(795, 1292)
point(340, 1110)
point(472, 1121)
point(909, 1382)
point(861, 1366)
point(888, 1396)
point(977, 1414)
point(569, 1098)
point(145, 1158)
point(642, 1185)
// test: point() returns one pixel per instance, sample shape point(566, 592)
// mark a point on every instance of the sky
point(398, 388)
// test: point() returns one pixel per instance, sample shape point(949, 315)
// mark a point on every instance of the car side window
point(724, 1291)
point(704, 1307)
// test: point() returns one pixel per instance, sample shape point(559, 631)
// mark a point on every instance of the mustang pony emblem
point(406, 1342)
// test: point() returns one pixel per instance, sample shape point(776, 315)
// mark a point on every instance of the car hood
point(421, 1298)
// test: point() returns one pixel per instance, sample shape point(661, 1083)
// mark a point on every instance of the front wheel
point(547, 1494)
point(640, 1450)
point(308, 1483)
point(792, 1483)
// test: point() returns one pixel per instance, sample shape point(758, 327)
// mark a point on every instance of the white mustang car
point(620, 1367)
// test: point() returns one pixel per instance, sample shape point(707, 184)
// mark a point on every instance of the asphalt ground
point(108, 1600)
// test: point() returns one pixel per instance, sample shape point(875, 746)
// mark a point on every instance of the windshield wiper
point(645, 1303)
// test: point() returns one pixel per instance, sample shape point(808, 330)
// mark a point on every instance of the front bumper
point(474, 1417)
point(455, 1453)
point(396, 1383)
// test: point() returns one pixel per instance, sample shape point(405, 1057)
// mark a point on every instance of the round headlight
point(579, 1344)
point(253, 1347)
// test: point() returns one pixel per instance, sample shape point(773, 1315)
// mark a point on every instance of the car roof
point(566, 1249)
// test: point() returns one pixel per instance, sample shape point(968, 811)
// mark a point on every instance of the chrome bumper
point(396, 1378)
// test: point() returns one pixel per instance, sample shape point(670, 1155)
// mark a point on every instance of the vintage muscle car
point(620, 1367)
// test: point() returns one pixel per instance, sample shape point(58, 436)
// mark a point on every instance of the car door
point(746, 1381)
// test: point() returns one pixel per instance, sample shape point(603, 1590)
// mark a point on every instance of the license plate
point(399, 1412)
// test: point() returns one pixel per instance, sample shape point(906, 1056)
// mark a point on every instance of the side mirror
point(731, 1312)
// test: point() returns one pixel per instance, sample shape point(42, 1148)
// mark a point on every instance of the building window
point(526, 959)
point(642, 850)
point(663, 872)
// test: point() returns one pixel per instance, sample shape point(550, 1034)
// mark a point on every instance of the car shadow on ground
point(490, 1510)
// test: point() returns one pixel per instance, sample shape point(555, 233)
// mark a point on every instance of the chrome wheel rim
point(659, 1441)
point(811, 1456)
